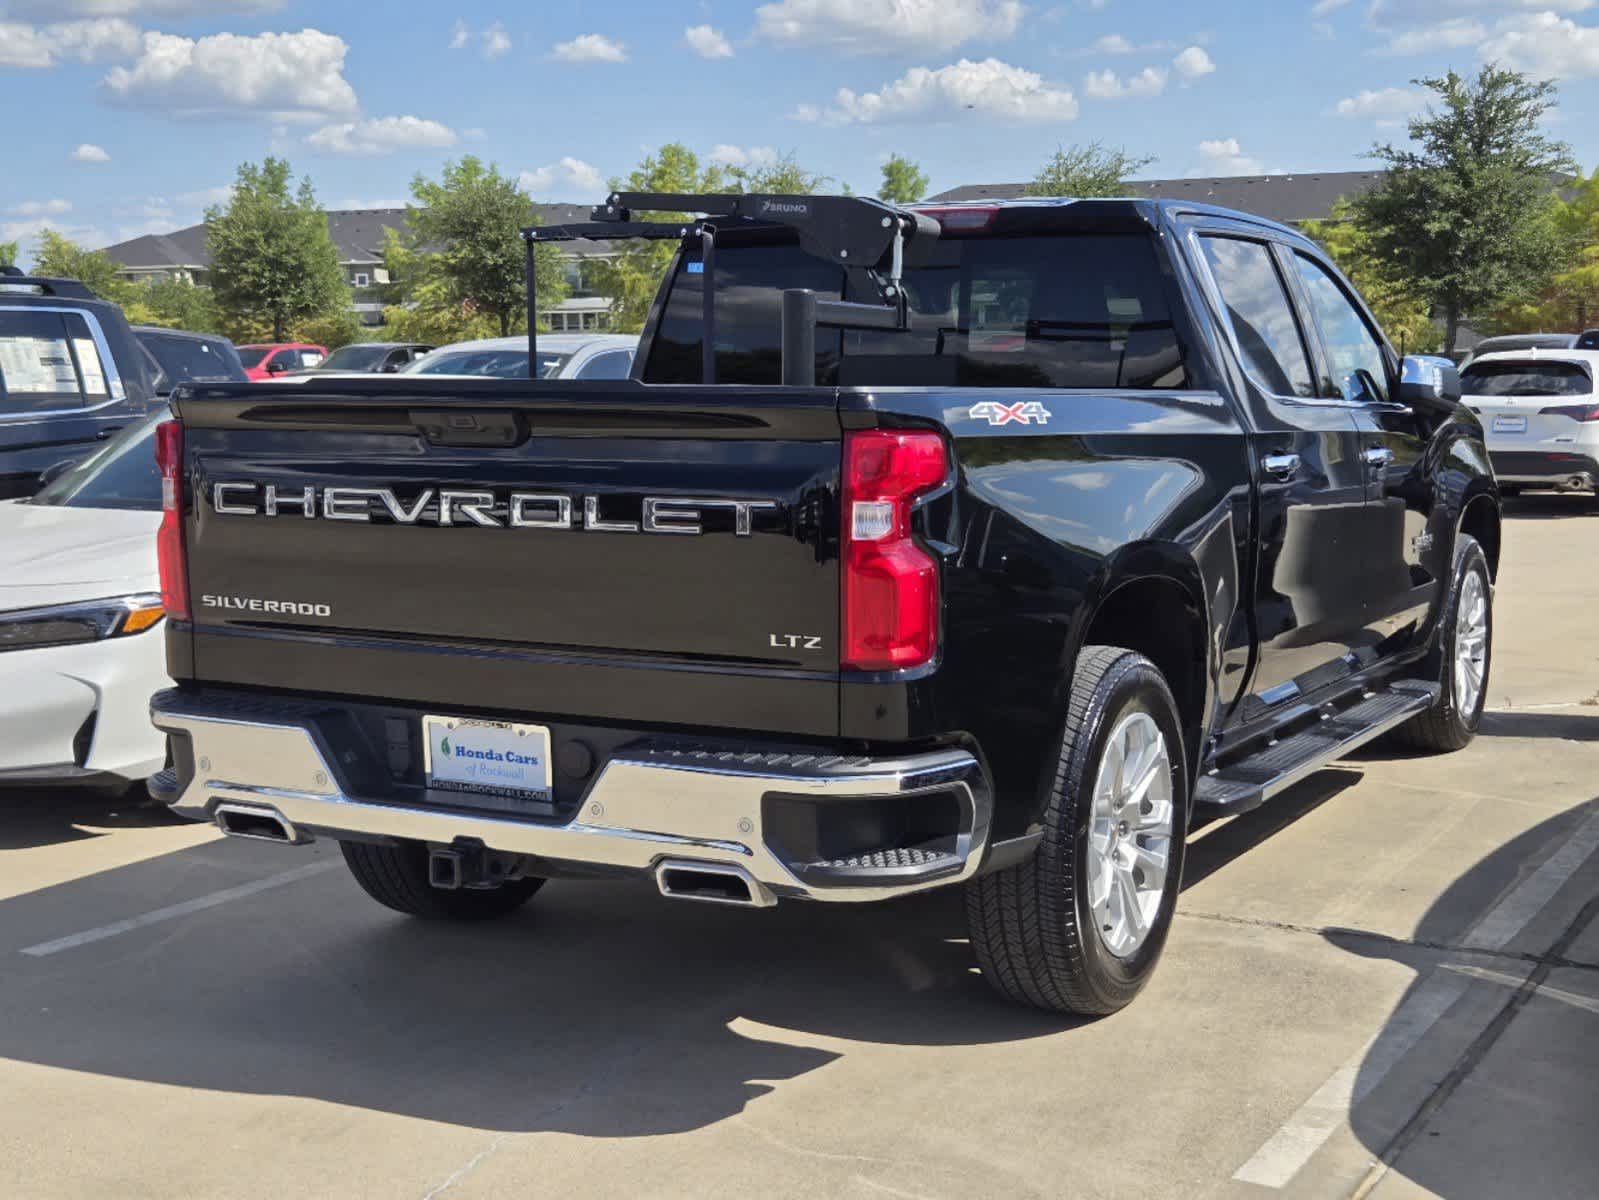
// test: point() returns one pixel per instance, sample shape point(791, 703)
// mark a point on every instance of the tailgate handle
point(466, 427)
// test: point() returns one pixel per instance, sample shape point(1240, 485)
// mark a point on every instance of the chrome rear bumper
point(646, 805)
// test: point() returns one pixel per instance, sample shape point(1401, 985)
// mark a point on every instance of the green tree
point(1570, 299)
point(633, 277)
point(784, 177)
point(9, 252)
point(903, 181)
point(1465, 210)
point(272, 260)
point(174, 304)
point(1400, 306)
point(60, 258)
point(462, 249)
point(1083, 171)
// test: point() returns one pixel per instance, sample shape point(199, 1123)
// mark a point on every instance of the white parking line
point(1291, 1147)
point(173, 911)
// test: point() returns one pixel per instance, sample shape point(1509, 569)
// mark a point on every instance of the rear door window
point(1059, 311)
point(1526, 379)
point(1261, 316)
point(613, 364)
point(49, 362)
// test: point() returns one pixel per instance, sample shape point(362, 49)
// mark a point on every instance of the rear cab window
point(1527, 378)
point(1057, 310)
point(49, 362)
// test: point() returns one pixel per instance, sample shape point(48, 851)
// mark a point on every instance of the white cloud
point(707, 42)
point(90, 153)
point(40, 208)
point(1193, 63)
point(1114, 43)
point(77, 41)
point(886, 26)
point(990, 88)
point(1546, 45)
point(1322, 7)
point(590, 48)
point(1225, 156)
point(1107, 85)
point(567, 179)
point(293, 76)
point(205, 197)
point(492, 42)
point(381, 135)
point(27, 231)
point(1389, 102)
point(1450, 34)
point(742, 156)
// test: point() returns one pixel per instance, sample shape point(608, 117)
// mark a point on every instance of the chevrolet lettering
point(489, 509)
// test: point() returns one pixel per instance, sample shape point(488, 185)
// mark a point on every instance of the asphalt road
point(1385, 983)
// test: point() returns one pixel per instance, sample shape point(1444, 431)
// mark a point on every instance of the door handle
point(1379, 456)
point(1281, 466)
point(105, 433)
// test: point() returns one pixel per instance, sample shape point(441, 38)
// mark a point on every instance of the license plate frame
point(1509, 425)
point(503, 758)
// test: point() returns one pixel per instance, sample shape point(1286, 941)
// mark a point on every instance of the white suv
point(1541, 416)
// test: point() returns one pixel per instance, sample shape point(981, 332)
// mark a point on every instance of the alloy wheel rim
point(1130, 834)
point(1471, 644)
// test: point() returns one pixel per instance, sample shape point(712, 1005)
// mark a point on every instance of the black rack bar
point(856, 232)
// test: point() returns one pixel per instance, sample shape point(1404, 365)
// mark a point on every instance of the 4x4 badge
point(1024, 412)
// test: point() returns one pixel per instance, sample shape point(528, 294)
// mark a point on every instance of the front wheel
point(1462, 658)
point(1080, 926)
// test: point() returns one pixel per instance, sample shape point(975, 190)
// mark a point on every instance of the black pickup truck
point(992, 545)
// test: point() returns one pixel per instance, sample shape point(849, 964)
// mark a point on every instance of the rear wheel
point(1461, 660)
point(1080, 926)
point(397, 876)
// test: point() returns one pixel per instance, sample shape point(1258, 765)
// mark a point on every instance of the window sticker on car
point(89, 361)
point(37, 364)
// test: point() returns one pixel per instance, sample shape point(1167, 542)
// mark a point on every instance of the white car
point(1540, 413)
point(561, 356)
point(81, 631)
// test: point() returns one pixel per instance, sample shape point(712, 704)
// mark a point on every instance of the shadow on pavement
point(49, 816)
point(600, 1010)
point(1575, 727)
point(1474, 1166)
point(1550, 506)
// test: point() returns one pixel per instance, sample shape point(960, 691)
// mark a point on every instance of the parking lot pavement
point(1384, 983)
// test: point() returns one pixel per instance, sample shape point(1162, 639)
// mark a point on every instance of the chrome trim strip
point(644, 807)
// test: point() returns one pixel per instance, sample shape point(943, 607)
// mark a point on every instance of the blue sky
point(124, 117)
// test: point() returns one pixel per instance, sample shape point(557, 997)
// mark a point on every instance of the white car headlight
point(85, 621)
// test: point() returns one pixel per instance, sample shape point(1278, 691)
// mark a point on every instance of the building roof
point(357, 233)
point(1287, 198)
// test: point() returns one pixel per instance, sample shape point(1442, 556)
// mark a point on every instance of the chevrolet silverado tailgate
point(602, 550)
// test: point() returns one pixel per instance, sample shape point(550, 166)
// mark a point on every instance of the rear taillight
point(890, 584)
point(1592, 414)
point(169, 541)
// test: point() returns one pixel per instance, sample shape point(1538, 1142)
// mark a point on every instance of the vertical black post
point(531, 279)
point(799, 338)
point(708, 311)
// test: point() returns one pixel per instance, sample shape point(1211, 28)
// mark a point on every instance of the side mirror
point(275, 367)
point(389, 368)
point(1430, 382)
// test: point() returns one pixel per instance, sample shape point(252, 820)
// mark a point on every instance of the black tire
point(397, 876)
point(1444, 727)
point(1031, 925)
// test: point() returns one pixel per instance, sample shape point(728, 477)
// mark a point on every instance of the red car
point(271, 360)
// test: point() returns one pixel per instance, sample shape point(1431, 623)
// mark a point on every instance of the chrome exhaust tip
point(712, 883)
point(258, 823)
